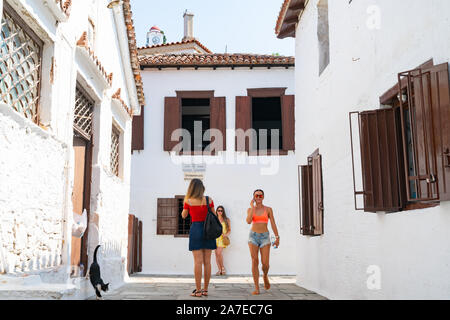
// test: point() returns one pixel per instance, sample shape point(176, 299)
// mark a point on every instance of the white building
point(69, 86)
point(349, 55)
point(225, 92)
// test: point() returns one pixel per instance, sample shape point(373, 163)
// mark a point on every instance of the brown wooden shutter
point(130, 243)
point(288, 121)
point(440, 108)
point(167, 216)
point(136, 245)
point(172, 121)
point(137, 139)
point(417, 111)
point(307, 200)
point(243, 118)
point(317, 190)
point(381, 160)
point(139, 265)
point(218, 118)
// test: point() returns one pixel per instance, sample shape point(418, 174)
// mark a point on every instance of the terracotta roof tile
point(123, 104)
point(214, 60)
point(83, 43)
point(128, 15)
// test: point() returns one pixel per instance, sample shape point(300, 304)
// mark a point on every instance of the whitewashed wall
point(154, 175)
point(36, 169)
point(411, 249)
point(31, 197)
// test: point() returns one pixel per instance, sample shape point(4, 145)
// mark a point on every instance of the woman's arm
point(274, 227)
point(185, 211)
point(249, 215)
point(229, 228)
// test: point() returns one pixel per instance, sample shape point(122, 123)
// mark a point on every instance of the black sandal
point(196, 292)
point(205, 293)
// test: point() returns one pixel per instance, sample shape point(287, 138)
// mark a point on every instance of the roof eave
point(288, 18)
point(215, 66)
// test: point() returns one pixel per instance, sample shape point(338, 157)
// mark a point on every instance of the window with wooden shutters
point(190, 111)
point(20, 65)
point(405, 149)
point(310, 176)
point(169, 220)
point(265, 122)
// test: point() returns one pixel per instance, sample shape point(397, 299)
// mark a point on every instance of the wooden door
point(80, 197)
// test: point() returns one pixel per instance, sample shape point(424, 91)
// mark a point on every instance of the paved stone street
point(221, 288)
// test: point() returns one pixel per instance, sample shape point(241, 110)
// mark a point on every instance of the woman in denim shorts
point(258, 216)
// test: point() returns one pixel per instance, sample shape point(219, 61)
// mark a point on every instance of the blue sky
point(244, 26)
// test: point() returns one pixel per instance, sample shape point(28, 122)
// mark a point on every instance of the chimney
point(188, 26)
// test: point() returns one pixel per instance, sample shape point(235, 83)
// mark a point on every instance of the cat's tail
point(95, 253)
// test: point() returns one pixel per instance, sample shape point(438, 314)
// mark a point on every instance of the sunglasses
point(259, 196)
point(219, 210)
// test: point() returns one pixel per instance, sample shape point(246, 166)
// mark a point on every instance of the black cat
point(95, 277)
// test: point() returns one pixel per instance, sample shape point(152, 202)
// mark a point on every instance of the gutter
point(251, 66)
point(122, 37)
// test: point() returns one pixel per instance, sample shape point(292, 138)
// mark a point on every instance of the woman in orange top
point(259, 239)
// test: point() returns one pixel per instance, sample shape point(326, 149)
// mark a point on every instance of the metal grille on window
point(20, 63)
point(84, 109)
point(184, 225)
point(115, 141)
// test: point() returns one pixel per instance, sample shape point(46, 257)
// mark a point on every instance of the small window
point(195, 111)
point(266, 120)
point(115, 150)
point(83, 113)
point(196, 116)
point(20, 65)
point(169, 220)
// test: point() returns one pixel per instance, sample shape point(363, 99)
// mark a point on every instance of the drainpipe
point(122, 36)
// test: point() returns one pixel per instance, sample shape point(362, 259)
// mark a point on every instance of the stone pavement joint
point(158, 287)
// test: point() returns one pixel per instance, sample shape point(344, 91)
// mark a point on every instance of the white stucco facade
point(370, 43)
point(156, 175)
point(37, 164)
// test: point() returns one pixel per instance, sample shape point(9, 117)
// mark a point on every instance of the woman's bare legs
point(265, 254)
point(198, 264)
point(219, 259)
point(255, 266)
point(207, 267)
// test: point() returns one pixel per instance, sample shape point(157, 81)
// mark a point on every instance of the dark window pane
point(266, 120)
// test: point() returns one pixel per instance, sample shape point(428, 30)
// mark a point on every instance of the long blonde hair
point(195, 190)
